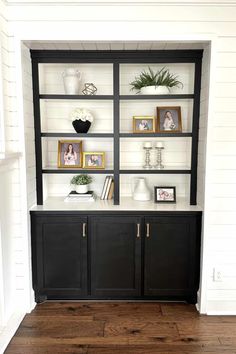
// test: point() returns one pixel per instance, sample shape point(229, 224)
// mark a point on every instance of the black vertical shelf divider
point(116, 58)
point(37, 129)
point(116, 128)
point(195, 130)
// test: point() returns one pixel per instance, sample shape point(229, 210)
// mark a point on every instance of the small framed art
point(169, 120)
point(143, 124)
point(69, 154)
point(94, 160)
point(165, 194)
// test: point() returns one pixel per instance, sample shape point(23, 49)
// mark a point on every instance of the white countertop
point(126, 204)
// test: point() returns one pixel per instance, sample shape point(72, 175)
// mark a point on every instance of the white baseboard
point(9, 330)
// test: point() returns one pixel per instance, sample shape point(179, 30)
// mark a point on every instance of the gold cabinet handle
point(84, 229)
point(148, 230)
point(138, 230)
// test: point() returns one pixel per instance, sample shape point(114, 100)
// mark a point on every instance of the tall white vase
point(71, 79)
point(141, 191)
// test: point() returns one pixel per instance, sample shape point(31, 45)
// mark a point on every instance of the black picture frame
point(158, 200)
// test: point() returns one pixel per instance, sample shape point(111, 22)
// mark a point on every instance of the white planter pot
point(82, 189)
point(155, 90)
point(71, 78)
point(141, 191)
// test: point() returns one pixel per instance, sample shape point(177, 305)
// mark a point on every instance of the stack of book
point(108, 188)
point(73, 196)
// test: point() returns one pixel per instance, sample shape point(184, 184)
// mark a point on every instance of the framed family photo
point(143, 124)
point(94, 160)
point(169, 119)
point(165, 194)
point(69, 154)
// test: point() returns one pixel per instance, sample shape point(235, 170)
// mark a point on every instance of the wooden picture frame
point(144, 124)
point(69, 154)
point(169, 119)
point(165, 194)
point(94, 160)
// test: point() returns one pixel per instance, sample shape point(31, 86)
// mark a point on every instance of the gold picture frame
point(69, 157)
point(94, 160)
point(144, 124)
point(169, 119)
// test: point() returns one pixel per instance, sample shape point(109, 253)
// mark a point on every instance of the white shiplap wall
point(169, 20)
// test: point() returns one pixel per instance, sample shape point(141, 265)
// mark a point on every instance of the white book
point(104, 187)
point(108, 187)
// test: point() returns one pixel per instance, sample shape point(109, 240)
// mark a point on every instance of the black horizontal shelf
point(78, 135)
point(75, 170)
point(76, 97)
point(157, 97)
point(153, 135)
point(154, 171)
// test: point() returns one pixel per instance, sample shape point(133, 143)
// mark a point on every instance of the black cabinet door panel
point(170, 256)
point(115, 256)
point(61, 255)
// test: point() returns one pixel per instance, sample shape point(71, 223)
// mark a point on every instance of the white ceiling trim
point(121, 2)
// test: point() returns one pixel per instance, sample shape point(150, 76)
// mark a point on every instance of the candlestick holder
point(147, 157)
point(159, 165)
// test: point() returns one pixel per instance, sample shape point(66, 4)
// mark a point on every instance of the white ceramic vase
point(82, 188)
point(141, 191)
point(71, 79)
point(154, 90)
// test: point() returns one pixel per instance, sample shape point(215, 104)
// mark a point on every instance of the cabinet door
point(115, 256)
point(59, 256)
point(171, 256)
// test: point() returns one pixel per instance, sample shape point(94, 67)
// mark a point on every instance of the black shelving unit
point(116, 58)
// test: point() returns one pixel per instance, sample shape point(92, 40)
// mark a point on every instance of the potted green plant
point(160, 82)
point(81, 183)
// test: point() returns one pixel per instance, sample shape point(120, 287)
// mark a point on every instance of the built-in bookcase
point(113, 106)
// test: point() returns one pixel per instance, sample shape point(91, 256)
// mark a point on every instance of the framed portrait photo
point(94, 160)
point(143, 124)
point(165, 194)
point(69, 154)
point(169, 120)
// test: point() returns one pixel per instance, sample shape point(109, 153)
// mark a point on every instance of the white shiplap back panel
point(55, 115)
point(51, 77)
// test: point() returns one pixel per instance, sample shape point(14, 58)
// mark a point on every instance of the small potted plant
point(82, 119)
point(81, 183)
point(155, 83)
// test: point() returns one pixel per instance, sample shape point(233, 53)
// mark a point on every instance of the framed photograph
point(165, 194)
point(169, 120)
point(94, 160)
point(69, 154)
point(143, 124)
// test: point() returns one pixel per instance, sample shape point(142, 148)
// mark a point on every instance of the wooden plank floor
point(127, 328)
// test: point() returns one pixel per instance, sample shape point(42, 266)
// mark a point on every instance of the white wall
point(152, 22)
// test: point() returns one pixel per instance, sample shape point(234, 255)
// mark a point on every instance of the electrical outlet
point(217, 275)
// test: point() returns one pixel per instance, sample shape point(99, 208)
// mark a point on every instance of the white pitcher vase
point(71, 79)
point(141, 191)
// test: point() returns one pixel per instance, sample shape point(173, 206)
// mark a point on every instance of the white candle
point(159, 144)
point(147, 144)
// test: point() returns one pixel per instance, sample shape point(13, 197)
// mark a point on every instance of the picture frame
point(144, 124)
point(165, 194)
point(94, 160)
point(69, 154)
point(169, 119)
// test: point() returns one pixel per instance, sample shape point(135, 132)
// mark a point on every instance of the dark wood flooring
point(124, 328)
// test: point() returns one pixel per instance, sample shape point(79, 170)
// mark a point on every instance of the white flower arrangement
point(82, 114)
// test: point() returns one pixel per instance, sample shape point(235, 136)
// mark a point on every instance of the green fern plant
point(163, 77)
point(81, 180)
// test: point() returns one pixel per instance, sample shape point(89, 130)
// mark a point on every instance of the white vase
point(71, 79)
point(141, 191)
point(155, 90)
point(82, 188)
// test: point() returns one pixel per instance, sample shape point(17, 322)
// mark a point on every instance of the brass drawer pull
point(84, 229)
point(148, 230)
point(138, 230)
